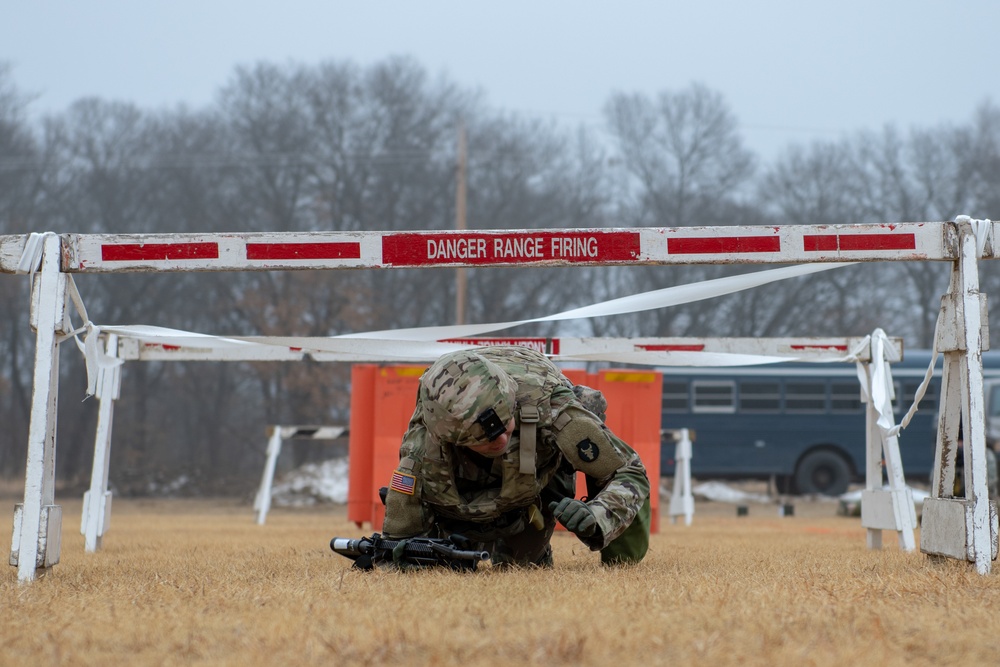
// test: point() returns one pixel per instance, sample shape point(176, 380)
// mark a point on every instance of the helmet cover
point(457, 393)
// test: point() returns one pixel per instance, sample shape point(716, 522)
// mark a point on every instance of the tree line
point(338, 146)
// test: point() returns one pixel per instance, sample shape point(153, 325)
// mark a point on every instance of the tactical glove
point(576, 516)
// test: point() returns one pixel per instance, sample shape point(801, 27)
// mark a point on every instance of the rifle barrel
point(347, 546)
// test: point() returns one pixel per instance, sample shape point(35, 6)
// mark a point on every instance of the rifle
point(367, 552)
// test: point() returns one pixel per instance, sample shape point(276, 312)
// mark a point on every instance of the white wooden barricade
point(35, 543)
point(884, 509)
point(962, 528)
point(681, 499)
point(277, 434)
point(96, 520)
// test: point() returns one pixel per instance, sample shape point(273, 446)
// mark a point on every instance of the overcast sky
point(791, 71)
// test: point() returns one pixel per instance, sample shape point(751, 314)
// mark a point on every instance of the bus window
point(994, 404)
point(845, 397)
point(675, 397)
point(760, 397)
point(713, 396)
point(805, 397)
point(928, 402)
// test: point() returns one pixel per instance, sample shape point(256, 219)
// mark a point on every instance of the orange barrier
point(634, 414)
point(382, 401)
point(360, 443)
point(387, 397)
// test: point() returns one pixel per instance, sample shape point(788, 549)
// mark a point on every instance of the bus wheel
point(822, 472)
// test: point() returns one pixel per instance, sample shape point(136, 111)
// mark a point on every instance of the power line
point(223, 161)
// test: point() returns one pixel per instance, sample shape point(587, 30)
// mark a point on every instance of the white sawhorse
point(892, 508)
point(276, 435)
point(681, 499)
point(96, 518)
point(962, 528)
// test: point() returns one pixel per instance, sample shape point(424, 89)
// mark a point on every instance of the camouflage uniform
point(441, 487)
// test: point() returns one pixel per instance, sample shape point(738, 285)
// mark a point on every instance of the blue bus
point(801, 425)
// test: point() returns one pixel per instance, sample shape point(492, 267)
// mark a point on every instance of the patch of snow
point(312, 484)
point(170, 488)
point(855, 496)
point(723, 493)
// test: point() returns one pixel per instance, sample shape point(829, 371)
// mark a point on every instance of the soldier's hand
point(576, 516)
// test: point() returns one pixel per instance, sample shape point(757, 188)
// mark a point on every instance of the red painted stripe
point(152, 252)
point(855, 242)
point(428, 249)
point(819, 242)
point(671, 348)
point(534, 343)
point(276, 251)
point(718, 245)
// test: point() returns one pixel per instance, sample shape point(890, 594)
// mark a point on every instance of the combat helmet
point(466, 399)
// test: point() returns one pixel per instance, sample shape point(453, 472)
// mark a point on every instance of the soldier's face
point(497, 446)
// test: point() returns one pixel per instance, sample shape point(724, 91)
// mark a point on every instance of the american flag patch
point(402, 482)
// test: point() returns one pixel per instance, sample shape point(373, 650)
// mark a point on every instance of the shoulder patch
point(588, 450)
point(586, 445)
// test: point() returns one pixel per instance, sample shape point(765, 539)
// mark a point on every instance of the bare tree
point(683, 149)
point(21, 168)
point(810, 185)
point(813, 185)
point(916, 179)
point(685, 164)
point(528, 174)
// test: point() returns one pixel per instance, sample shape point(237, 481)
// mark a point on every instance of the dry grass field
point(199, 583)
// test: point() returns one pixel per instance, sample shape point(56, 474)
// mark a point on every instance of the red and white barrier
point(115, 253)
point(35, 544)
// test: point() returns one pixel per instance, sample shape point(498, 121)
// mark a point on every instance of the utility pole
point(460, 278)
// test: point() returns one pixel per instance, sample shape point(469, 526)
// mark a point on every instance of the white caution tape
point(922, 389)
point(98, 360)
point(981, 229)
point(349, 349)
point(663, 298)
point(881, 390)
point(422, 344)
point(31, 255)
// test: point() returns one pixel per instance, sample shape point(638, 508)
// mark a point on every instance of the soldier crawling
point(491, 454)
